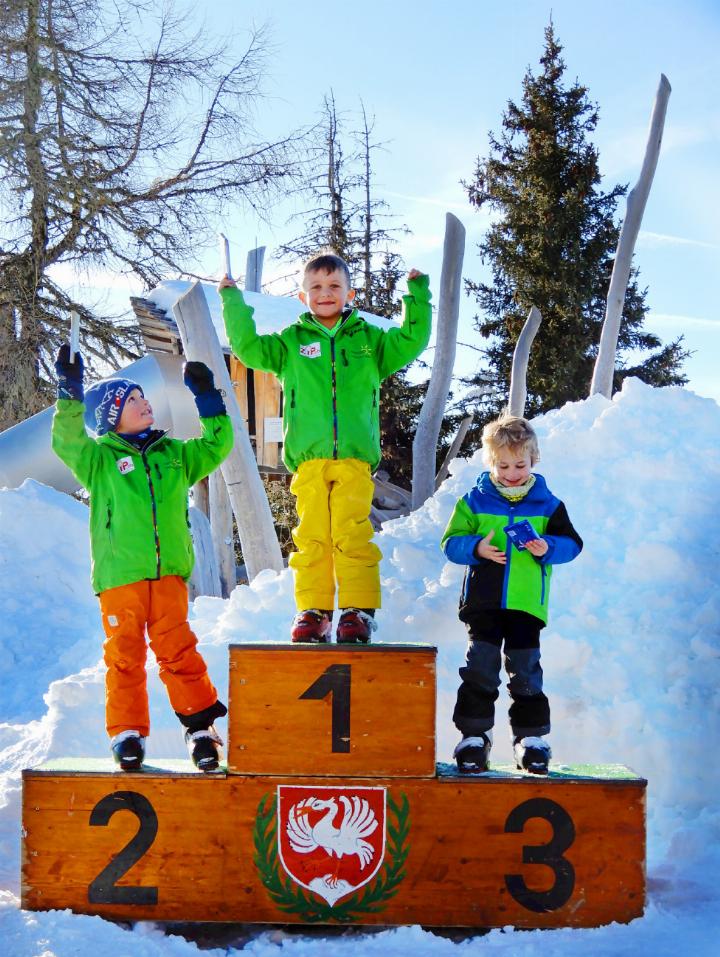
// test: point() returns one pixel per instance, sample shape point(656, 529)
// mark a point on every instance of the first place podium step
point(332, 710)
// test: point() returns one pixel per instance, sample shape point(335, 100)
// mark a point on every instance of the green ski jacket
point(139, 526)
point(331, 383)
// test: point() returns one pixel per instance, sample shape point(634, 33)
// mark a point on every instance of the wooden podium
point(332, 810)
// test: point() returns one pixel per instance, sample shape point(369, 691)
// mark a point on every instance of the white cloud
point(669, 319)
point(663, 239)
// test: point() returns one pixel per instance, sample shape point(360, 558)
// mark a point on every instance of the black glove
point(198, 378)
point(70, 374)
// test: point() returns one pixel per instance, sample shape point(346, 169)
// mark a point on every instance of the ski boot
point(355, 625)
point(204, 747)
point(473, 752)
point(128, 749)
point(532, 754)
point(311, 626)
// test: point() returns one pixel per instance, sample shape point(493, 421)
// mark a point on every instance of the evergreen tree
point(551, 244)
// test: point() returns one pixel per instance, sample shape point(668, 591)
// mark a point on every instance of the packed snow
point(631, 658)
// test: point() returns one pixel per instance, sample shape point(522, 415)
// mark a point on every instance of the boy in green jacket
point(330, 364)
point(142, 553)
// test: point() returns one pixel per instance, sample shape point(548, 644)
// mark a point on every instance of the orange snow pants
point(333, 536)
point(161, 606)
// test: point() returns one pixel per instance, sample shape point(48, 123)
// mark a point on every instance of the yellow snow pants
point(333, 536)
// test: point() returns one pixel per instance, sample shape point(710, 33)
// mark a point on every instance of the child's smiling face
point(137, 414)
point(326, 294)
point(511, 467)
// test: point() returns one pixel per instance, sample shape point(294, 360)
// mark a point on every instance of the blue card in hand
point(520, 533)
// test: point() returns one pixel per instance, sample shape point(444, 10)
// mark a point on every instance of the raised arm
point(201, 456)
point(267, 352)
point(70, 442)
point(402, 345)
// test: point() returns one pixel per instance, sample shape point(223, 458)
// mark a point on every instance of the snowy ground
point(631, 658)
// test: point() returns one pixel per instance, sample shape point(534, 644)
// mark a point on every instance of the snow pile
point(631, 658)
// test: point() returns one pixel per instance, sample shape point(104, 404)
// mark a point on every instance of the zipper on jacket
point(334, 397)
point(542, 590)
point(343, 353)
point(508, 559)
point(373, 414)
point(154, 512)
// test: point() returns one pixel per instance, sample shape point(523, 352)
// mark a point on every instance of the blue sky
point(437, 77)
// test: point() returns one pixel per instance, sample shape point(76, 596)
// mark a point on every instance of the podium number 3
point(550, 854)
point(334, 681)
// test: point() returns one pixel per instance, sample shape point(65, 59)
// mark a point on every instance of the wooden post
point(205, 578)
point(238, 374)
point(201, 496)
point(254, 268)
point(521, 355)
point(222, 532)
point(602, 379)
point(428, 428)
point(267, 405)
point(453, 451)
point(249, 502)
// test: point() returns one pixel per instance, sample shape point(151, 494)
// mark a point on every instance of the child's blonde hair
point(509, 432)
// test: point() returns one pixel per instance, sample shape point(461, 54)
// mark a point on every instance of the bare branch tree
point(115, 156)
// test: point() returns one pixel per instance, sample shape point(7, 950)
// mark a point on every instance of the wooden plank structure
point(258, 393)
point(372, 845)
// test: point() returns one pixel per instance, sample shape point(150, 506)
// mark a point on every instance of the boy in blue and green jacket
point(505, 594)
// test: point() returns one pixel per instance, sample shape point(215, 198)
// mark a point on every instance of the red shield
point(331, 840)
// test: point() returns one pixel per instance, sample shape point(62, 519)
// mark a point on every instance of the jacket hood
point(349, 318)
point(537, 493)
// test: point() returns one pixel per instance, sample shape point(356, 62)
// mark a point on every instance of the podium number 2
point(104, 889)
point(334, 681)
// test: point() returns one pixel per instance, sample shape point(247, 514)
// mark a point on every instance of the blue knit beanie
point(104, 402)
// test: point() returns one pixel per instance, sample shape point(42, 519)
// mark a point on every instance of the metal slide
point(25, 450)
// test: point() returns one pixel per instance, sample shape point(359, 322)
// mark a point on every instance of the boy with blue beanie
point(142, 555)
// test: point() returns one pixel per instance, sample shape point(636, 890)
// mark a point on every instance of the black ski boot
point(532, 754)
point(204, 747)
point(473, 752)
point(128, 749)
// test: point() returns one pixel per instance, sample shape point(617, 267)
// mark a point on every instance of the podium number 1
point(334, 681)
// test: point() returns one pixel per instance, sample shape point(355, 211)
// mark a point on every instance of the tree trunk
point(254, 520)
point(521, 356)
point(430, 420)
point(602, 380)
point(221, 525)
point(453, 451)
point(205, 579)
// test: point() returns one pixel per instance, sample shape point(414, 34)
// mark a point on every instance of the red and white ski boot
point(311, 626)
point(355, 626)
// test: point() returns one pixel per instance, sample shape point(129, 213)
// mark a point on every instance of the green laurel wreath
point(294, 899)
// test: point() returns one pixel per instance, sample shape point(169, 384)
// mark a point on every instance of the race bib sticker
point(311, 350)
point(125, 465)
